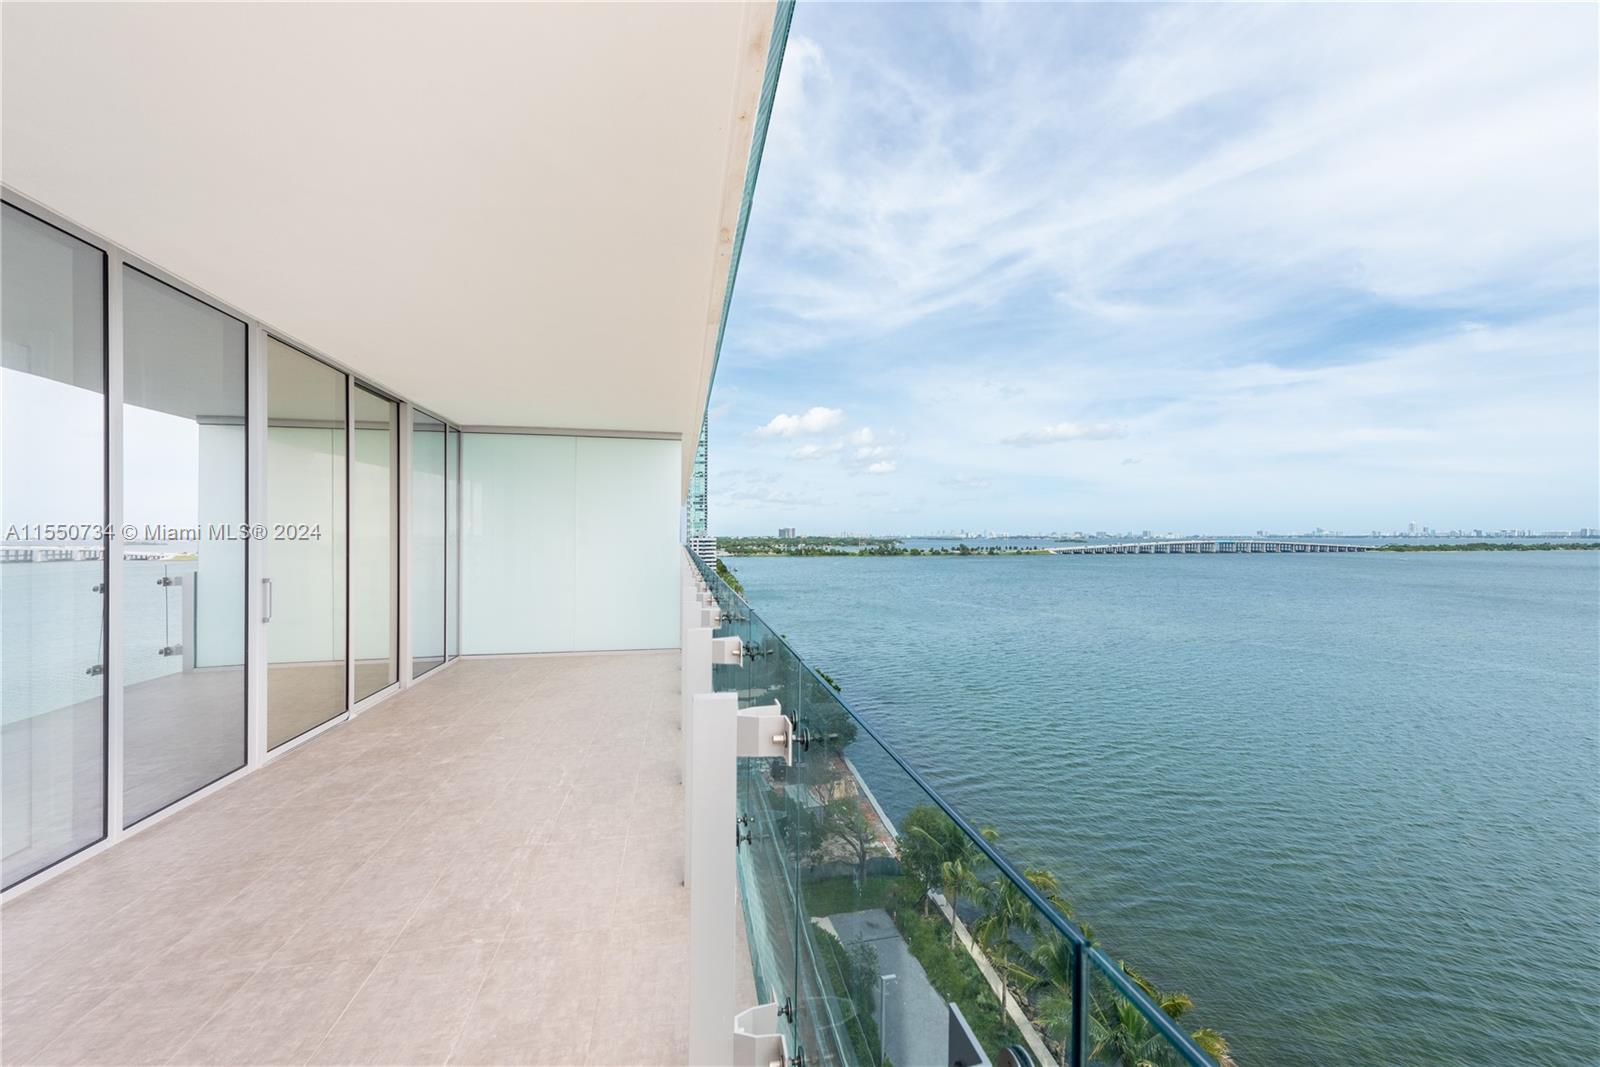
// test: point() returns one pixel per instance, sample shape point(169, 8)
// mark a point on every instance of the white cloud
point(816, 451)
point(815, 420)
point(1311, 263)
point(772, 496)
point(1213, 159)
point(886, 466)
point(1059, 432)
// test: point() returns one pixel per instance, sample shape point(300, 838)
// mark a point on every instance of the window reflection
point(183, 575)
point(374, 554)
point(52, 592)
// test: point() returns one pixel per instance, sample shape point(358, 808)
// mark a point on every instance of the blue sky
point(1063, 267)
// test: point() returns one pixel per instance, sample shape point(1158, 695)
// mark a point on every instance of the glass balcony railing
point(872, 906)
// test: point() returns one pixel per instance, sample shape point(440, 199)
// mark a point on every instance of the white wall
point(568, 543)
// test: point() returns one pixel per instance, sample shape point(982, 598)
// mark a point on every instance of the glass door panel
point(305, 547)
point(183, 575)
point(452, 542)
point(427, 543)
point(53, 572)
point(374, 544)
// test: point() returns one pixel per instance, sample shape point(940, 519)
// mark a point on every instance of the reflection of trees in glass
point(1029, 954)
point(944, 856)
point(1009, 912)
point(1120, 1030)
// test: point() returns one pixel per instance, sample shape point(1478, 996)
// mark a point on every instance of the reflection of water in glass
point(52, 609)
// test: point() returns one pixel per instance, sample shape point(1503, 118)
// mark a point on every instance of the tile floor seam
point(311, 1057)
point(133, 979)
point(310, 914)
point(175, 1058)
point(466, 1016)
point(44, 1046)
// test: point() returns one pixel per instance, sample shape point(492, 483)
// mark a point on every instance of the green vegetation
point(1492, 546)
point(852, 546)
point(954, 975)
point(726, 575)
point(1033, 960)
point(854, 979)
point(840, 547)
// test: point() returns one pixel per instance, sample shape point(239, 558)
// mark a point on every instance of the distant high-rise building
point(697, 487)
point(698, 535)
point(786, 533)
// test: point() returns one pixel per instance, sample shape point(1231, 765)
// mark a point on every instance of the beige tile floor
point(485, 869)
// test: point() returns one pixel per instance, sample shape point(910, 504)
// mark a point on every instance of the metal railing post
point(1078, 1051)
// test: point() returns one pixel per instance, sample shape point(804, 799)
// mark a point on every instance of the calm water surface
point(1349, 803)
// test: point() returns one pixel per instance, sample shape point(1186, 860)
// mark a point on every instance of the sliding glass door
point(452, 543)
point(427, 543)
point(53, 563)
point(375, 543)
point(305, 547)
point(183, 570)
point(112, 715)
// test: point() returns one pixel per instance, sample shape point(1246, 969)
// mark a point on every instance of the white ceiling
point(516, 215)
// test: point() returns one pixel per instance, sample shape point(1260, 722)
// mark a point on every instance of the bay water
point(1349, 803)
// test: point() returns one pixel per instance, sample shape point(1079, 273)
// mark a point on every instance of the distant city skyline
point(1133, 266)
point(1169, 531)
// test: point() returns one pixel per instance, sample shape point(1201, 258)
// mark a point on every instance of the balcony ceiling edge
point(514, 215)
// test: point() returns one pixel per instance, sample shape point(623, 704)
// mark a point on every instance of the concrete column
point(694, 680)
point(712, 900)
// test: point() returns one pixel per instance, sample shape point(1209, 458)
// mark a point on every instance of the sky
point(1181, 268)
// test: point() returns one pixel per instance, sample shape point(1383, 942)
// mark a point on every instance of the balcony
point(484, 869)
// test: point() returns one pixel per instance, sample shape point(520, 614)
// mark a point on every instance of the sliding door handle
point(266, 600)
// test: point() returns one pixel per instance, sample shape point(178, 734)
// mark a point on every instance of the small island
point(892, 546)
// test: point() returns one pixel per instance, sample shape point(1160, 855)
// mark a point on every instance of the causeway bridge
point(1203, 547)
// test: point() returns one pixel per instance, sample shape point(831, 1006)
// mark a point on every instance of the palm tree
point(1052, 959)
point(957, 858)
point(1124, 1031)
point(1119, 1032)
point(1010, 910)
point(921, 848)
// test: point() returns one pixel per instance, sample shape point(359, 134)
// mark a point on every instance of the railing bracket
point(765, 732)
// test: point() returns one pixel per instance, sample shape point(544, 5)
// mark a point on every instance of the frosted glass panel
point(568, 543)
point(427, 543)
point(627, 538)
point(518, 589)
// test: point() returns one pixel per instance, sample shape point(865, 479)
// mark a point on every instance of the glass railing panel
point(882, 866)
point(903, 910)
point(1124, 1030)
point(766, 855)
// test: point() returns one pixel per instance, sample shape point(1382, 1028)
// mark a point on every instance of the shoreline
point(738, 548)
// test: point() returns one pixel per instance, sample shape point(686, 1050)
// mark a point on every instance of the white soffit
point(516, 215)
